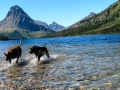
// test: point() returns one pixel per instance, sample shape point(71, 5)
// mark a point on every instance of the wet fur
point(39, 51)
point(14, 52)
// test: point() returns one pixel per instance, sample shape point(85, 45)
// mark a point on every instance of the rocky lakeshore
point(54, 75)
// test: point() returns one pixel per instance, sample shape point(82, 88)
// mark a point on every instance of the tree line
point(107, 21)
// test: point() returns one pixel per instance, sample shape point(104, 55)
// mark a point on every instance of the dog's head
point(7, 56)
point(33, 49)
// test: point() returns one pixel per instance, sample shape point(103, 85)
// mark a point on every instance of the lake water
point(91, 60)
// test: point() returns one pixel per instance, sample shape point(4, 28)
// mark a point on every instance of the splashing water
point(34, 60)
point(30, 59)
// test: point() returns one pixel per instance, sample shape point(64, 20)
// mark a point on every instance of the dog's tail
point(20, 42)
point(44, 44)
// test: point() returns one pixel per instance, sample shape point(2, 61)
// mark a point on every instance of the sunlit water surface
point(70, 57)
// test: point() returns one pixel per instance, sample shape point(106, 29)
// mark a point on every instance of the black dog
point(39, 51)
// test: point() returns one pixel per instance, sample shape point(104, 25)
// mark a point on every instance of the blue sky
point(64, 12)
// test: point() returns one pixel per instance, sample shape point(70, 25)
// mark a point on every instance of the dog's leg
point(47, 54)
point(36, 55)
point(9, 60)
point(17, 59)
point(38, 58)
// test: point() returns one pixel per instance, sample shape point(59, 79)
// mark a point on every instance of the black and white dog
point(39, 51)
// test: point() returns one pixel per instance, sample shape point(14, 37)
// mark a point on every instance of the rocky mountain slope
point(18, 19)
point(53, 26)
point(56, 27)
point(41, 23)
point(89, 16)
point(18, 23)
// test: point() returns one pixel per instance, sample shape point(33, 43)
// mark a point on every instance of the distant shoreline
point(4, 38)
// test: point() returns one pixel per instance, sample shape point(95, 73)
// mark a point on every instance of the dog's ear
point(5, 54)
point(31, 48)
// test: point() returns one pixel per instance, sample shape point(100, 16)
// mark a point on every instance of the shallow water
point(74, 60)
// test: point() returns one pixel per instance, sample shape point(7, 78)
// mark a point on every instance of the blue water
point(64, 42)
point(69, 45)
point(74, 55)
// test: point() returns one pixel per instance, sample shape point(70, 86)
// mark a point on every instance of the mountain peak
point(16, 18)
point(56, 27)
point(89, 16)
point(54, 22)
point(16, 11)
point(15, 7)
point(92, 13)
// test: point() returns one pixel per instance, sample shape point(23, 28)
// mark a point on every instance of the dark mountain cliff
point(41, 23)
point(18, 19)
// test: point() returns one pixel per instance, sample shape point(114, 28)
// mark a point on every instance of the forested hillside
point(107, 21)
